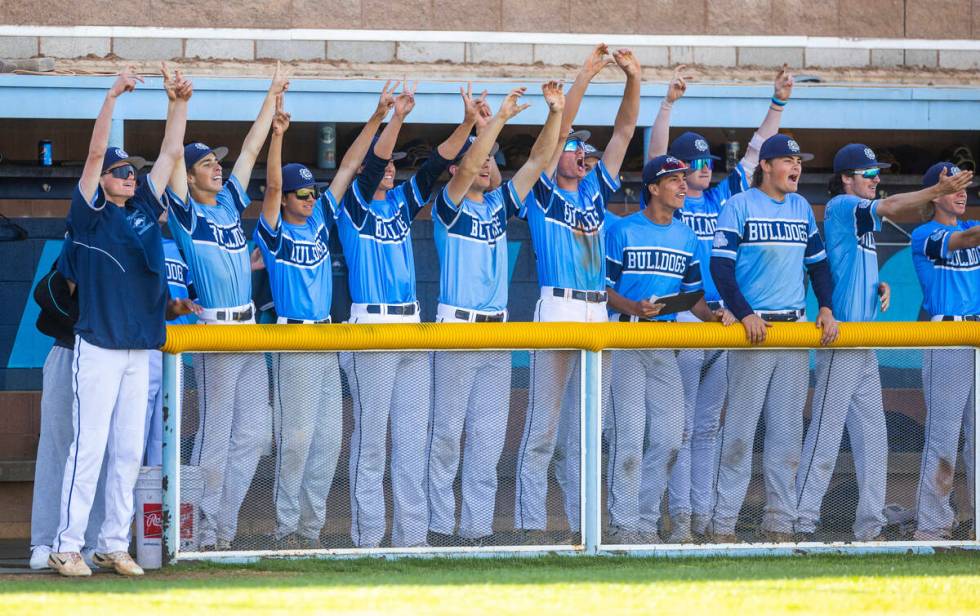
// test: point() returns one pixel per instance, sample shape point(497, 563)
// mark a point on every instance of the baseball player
point(692, 479)
point(375, 231)
point(946, 254)
point(566, 221)
point(766, 238)
point(293, 234)
point(116, 260)
point(649, 254)
point(848, 385)
point(473, 389)
point(233, 425)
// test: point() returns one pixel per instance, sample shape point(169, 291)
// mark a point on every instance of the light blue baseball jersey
point(950, 279)
point(701, 215)
point(471, 239)
point(645, 259)
point(376, 235)
point(179, 282)
point(771, 242)
point(567, 230)
point(213, 241)
point(297, 258)
point(849, 225)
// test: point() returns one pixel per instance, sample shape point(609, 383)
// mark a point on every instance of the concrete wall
point(940, 19)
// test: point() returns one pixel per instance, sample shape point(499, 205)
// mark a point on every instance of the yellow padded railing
point(587, 336)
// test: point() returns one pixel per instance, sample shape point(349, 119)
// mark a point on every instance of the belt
point(784, 316)
point(478, 317)
point(714, 305)
point(231, 315)
point(595, 297)
point(288, 321)
point(965, 317)
point(403, 309)
point(626, 318)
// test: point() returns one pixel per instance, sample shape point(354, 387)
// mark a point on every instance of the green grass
point(947, 583)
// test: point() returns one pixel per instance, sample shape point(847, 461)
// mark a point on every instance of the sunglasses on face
point(306, 193)
point(572, 145)
point(702, 163)
point(868, 174)
point(122, 172)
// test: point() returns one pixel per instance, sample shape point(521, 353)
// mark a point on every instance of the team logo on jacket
point(659, 260)
point(776, 231)
point(720, 240)
point(139, 222)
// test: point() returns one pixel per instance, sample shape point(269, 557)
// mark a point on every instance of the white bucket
point(148, 499)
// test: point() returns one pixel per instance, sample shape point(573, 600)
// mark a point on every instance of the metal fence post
point(592, 448)
point(171, 457)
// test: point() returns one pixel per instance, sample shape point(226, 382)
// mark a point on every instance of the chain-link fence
point(485, 448)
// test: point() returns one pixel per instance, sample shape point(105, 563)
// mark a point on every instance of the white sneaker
point(39, 557)
point(121, 561)
point(69, 564)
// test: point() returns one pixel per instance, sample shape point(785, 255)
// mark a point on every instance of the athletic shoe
point(617, 535)
point(222, 545)
point(68, 564)
point(723, 538)
point(680, 529)
point(39, 557)
point(121, 561)
point(771, 536)
point(649, 538)
point(87, 554)
point(442, 540)
point(534, 537)
point(700, 524)
point(928, 535)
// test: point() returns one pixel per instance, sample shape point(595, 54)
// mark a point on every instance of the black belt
point(595, 297)
point(480, 318)
point(781, 317)
point(625, 318)
point(403, 309)
point(228, 315)
point(302, 321)
point(965, 317)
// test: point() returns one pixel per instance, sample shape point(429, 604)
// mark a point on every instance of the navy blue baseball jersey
point(212, 240)
point(471, 239)
point(646, 260)
point(849, 224)
point(116, 259)
point(771, 242)
point(950, 279)
point(179, 282)
point(297, 258)
point(567, 230)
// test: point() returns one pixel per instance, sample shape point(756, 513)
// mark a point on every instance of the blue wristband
point(778, 103)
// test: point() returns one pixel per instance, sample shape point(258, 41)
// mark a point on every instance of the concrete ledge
point(221, 49)
point(770, 56)
point(151, 49)
point(361, 51)
point(560, 55)
point(837, 58)
point(960, 60)
point(431, 52)
point(12, 47)
point(291, 50)
point(74, 47)
point(888, 58)
point(499, 54)
point(928, 58)
point(649, 56)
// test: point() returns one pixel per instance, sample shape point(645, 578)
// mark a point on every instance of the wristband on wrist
point(775, 107)
point(778, 102)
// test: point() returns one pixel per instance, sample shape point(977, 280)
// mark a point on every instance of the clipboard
point(677, 303)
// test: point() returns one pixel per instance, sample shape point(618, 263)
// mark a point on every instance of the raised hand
point(952, 184)
point(597, 60)
point(484, 116)
point(280, 80)
point(510, 108)
point(280, 121)
point(783, 87)
point(405, 102)
point(387, 99)
point(169, 82)
point(471, 106)
point(678, 84)
point(125, 82)
point(628, 62)
point(554, 95)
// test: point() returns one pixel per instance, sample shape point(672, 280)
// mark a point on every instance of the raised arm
point(481, 122)
point(179, 91)
point(592, 66)
point(404, 103)
point(354, 156)
point(782, 90)
point(904, 205)
point(626, 117)
point(660, 134)
point(472, 162)
point(965, 239)
point(544, 145)
point(272, 200)
point(92, 171)
point(450, 148)
point(260, 128)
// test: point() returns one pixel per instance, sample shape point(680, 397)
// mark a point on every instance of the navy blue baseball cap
point(855, 156)
point(296, 176)
point(781, 145)
point(931, 178)
point(466, 146)
point(195, 151)
point(114, 156)
point(581, 135)
point(690, 146)
point(592, 152)
point(662, 166)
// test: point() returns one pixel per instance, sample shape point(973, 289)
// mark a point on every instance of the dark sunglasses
point(121, 172)
point(702, 163)
point(868, 174)
point(572, 145)
point(306, 193)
